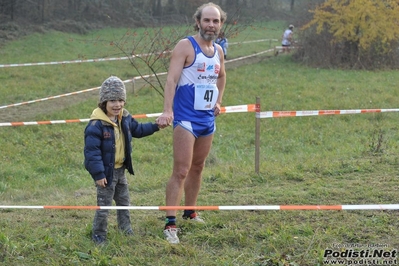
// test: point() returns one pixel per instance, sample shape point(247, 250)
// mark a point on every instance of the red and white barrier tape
point(271, 114)
point(288, 47)
point(248, 56)
point(78, 61)
point(76, 92)
point(227, 109)
point(254, 41)
point(126, 81)
point(65, 62)
point(105, 59)
point(218, 208)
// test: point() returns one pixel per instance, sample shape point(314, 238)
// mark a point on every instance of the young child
point(107, 154)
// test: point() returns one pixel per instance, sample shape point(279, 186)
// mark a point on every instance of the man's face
point(210, 24)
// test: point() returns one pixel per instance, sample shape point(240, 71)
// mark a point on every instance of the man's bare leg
point(192, 184)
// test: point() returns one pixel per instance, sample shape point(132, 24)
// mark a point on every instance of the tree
point(150, 52)
point(365, 29)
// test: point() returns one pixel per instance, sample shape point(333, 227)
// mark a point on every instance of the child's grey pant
point(119, 192)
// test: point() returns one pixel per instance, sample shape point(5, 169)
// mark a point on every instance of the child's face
point(114, 108)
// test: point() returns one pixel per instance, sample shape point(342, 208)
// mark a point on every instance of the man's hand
point(217, 109)
point(165, 119)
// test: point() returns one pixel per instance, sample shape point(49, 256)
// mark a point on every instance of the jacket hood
point(99, 114)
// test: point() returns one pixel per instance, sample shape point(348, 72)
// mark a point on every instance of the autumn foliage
point(352, 33)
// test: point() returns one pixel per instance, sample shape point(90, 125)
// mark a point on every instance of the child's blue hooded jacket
point(99, 149)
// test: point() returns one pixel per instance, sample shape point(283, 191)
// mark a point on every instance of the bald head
point(209, 9)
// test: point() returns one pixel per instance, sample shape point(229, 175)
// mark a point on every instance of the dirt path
point(27, 112)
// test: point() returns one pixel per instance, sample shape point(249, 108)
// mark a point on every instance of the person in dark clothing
point(107, 153)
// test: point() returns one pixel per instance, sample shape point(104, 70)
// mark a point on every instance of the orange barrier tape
point(212, 208)
point(227, 109)
point(272, 114)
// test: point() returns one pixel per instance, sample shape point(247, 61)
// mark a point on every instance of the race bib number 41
point(205, 96)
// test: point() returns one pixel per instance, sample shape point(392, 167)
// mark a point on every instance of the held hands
point(164, 120)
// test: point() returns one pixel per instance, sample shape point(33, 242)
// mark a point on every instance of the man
point(287, 38)
point(193, 96)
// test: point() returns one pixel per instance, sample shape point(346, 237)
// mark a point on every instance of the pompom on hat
point(112, 89)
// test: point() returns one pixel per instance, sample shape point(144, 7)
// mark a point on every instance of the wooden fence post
point(257, 134)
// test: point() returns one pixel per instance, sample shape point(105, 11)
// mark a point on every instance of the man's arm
point(290, 36)
point(177, 62)
point(221, 82)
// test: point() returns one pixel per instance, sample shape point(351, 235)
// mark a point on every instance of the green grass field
point(325, 160)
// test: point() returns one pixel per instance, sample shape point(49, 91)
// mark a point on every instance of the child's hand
point(102, 182)
point(161, 125)
point(164, 120)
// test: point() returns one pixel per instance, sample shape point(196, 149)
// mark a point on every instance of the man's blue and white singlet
point(196, 90)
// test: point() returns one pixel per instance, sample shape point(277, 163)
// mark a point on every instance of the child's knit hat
point(112, 89)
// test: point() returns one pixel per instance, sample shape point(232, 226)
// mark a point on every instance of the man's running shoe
point(171, 235)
